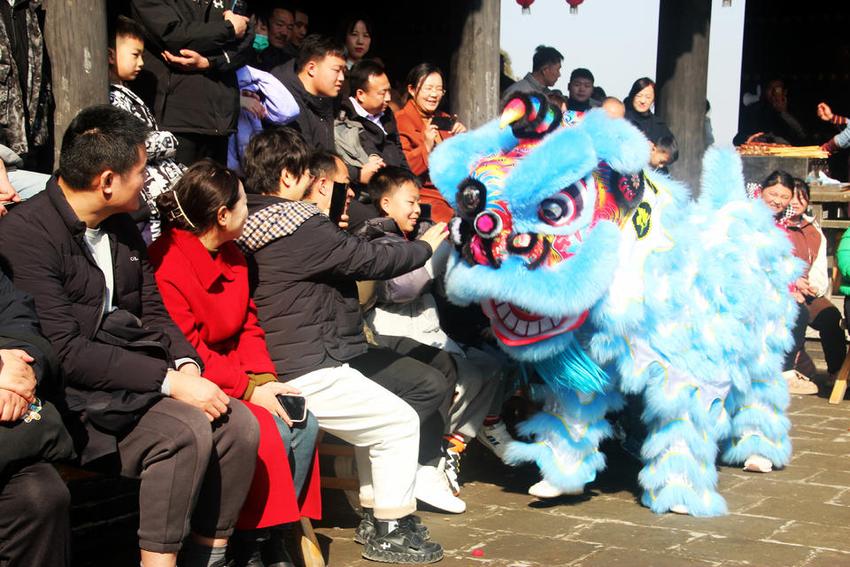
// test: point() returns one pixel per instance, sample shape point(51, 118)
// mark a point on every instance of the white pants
point(382, 427)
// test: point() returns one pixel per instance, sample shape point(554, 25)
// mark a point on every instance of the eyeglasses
point(432, 90)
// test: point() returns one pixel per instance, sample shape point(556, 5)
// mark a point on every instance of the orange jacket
point(411, 131)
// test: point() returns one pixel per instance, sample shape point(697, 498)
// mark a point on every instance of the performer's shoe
point(680, 509)
point(496, 438)
point(544, 489)
point(757, 463)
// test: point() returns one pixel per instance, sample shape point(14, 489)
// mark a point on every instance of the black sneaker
point(402, 545)
point(366, 529)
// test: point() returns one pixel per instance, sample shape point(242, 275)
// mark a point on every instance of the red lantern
point(574, 4)
point(526, 6)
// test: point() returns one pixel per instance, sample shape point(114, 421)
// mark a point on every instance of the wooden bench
point(305, 537)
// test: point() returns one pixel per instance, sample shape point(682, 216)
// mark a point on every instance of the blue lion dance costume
point(609, 280)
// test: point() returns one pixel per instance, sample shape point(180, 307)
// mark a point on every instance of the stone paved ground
point(798, 517)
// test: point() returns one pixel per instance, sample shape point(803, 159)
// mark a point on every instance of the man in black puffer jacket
point(314, 78)
point(304, 272)
point(134, 386)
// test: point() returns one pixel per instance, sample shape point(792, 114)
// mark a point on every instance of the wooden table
point(821, 195)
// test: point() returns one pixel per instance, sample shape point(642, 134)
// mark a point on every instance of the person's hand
point(240, 23)
point(343, 221)
point(188, 60)
point(264, 396)
point(435, 235)
point(754, 137)
point(8, 193)
point(803, 285)
point(825, 112)
point(432, 136)
point(12, 406)
point(458, 128)
point(370, 168)
point(253, 105)
point(199, 392)
point(16, 374)
point(189, 368)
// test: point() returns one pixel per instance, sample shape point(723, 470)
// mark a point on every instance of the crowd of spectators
point(252, 256)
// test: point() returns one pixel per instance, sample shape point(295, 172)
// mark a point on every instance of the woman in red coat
point(421, 126)
point(203, 278)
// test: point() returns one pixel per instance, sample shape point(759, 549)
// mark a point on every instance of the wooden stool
point(840, 387)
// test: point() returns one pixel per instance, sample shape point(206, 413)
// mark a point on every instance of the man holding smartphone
point(304, 268)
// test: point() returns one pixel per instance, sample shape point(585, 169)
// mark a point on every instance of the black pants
point(827, 322)
point(34, 525)
point(798, 331)
point(194, 474)
point(195, 147)
point(422, 376)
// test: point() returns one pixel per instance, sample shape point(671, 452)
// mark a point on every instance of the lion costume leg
point(566, 438)
point(759, 422)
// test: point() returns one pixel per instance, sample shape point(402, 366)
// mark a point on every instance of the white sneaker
point(680, 509)
point(544, 489)
point(757, 463)
point(496, 438)
point(452, 471)
point(799, 384)
point(432, 488)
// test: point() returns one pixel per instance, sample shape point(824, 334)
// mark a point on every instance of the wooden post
point(75, 31)
point(474, 77)
point(682, 78)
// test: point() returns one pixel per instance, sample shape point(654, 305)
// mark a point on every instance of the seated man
point(34, 501)
point(369, 123)
point(303, 270)
point(131, 376)
point(409, 369)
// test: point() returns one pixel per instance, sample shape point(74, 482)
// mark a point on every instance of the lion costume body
point(608, 280)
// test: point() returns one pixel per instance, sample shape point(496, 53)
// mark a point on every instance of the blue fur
point(572, 369)
point(703, 293)
point(617, 142)
point(452, 160)
point(704, 504)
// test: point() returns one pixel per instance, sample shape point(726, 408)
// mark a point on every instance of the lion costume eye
point(471, 197)
point(563, 207)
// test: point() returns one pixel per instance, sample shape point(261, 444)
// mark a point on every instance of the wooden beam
point(474, 77)
point(682, 78)
point(75, 31)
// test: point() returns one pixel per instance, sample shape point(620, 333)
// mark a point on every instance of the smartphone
point(444, 123)
point(239, 7)
point(424, 212)
point(338, 199)
point(294, 405)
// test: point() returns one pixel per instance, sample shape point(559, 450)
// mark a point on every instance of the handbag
point(31, 439)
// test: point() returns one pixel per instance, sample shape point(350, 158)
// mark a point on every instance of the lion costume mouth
point(516, 327)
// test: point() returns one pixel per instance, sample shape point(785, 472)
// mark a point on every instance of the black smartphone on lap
point(294, 405)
